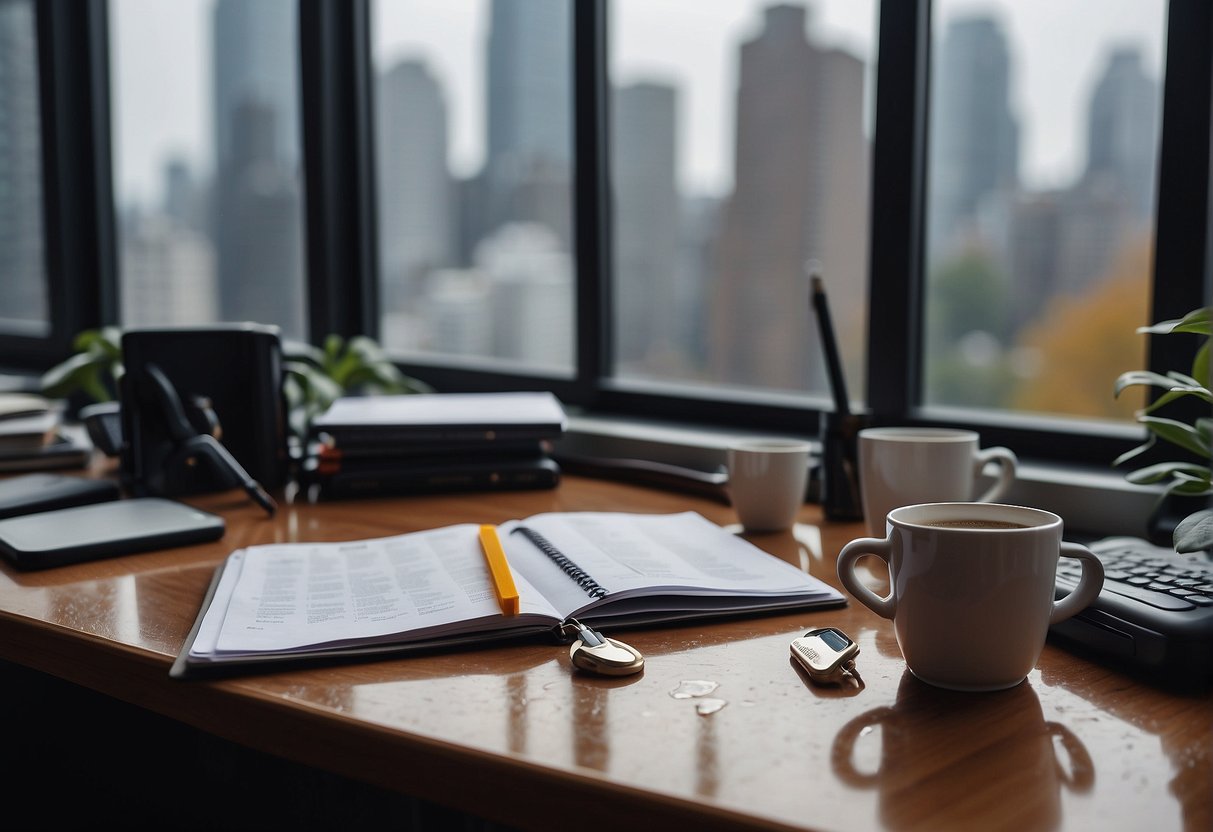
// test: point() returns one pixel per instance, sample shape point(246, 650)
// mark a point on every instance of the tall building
point(257, 208)
point(23, 285)
point(527, 174)
point(974, 142)
point(1122, 130)
point(416, 199)
point(800, 193)
point(168, 273)
point(645, 222)
point(530, 280)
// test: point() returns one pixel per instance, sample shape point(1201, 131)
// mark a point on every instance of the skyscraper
point(974, 143)
point(645, 221)
point(527, 173)
point(258, 213)
point(1122, 130)
point(800, 193)
point(415, 190)
point(23, 292)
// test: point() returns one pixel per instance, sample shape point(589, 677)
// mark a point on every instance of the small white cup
point(767, 482)
point(971, 602)
point(908, 466)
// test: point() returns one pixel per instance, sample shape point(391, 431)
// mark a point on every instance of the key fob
point(828, 655)
point(593, 652)
point(611, 658)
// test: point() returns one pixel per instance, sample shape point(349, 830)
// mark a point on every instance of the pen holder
point(840, 495)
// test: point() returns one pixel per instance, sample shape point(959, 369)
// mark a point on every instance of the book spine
point(583, 578)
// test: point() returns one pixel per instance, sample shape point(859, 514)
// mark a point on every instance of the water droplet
point(709, 706)
point(692, 688)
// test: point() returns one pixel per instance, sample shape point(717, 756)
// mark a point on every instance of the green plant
point(93, 369)
point(1183, 477)
point(316, 377)
point(313, 376)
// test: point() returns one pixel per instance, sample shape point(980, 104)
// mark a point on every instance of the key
point(828, 655)
point(595, 653)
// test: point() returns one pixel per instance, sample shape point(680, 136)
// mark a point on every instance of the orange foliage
point(1085, 342)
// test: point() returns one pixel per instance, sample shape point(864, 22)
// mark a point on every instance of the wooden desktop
point(512, 735)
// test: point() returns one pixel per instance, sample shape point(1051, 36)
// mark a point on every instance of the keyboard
point(1154, 615)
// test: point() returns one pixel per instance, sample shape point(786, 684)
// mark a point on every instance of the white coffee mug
point(972, 589)
point(767, 482)
point(903, 466)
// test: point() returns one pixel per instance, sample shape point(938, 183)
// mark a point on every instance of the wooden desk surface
point(511, 734)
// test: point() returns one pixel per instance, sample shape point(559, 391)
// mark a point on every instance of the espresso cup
point(767, 482)
point(907, 466)
point(972, 588)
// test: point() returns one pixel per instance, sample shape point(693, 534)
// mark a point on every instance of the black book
point(432, 475)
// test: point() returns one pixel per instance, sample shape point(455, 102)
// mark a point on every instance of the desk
point(511, 735)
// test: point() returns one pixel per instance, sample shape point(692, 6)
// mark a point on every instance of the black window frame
point(337, 132)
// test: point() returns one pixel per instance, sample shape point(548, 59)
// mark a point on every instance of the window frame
point(78, 219)
point(336, 66)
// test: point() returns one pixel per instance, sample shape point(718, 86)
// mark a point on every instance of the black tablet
point(31, 493)
point(121, 527)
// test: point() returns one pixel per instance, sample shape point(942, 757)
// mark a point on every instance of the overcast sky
point(161, 71)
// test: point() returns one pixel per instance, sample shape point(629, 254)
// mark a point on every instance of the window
point(739, 151)
point(616, 199)
point(24, 303)
point(1042, 170)
point(474, 165)
point(207, 162)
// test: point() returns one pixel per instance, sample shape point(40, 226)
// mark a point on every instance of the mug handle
point(1007, 461)
point(853, 551)
point(1088, 587)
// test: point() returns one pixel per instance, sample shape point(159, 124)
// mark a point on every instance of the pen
point(499, 568)
point(838, 384)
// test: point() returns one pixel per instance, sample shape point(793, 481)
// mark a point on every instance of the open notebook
point(298, 602)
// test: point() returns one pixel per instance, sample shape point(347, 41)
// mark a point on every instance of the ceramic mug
point(767, 482)
point(972, 588)
point(901, 466)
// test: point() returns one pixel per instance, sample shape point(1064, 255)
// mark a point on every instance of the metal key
point(595, 653)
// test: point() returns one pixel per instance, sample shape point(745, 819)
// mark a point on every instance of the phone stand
point(189, 451)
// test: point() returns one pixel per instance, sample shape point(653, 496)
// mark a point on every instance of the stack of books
point(364, 446)
point(33, 438)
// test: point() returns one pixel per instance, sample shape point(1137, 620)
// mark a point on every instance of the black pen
point(838, 384)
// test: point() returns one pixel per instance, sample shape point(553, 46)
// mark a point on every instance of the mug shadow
point(949, 758)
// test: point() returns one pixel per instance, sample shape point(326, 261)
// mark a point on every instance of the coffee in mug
point(972, 588)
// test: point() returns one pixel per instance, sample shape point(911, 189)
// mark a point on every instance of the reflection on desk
point(511, 734)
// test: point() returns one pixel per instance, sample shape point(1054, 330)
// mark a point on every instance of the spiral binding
point(583, 579)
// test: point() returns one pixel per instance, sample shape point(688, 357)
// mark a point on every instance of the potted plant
point(313, 376)
point(1183, 477)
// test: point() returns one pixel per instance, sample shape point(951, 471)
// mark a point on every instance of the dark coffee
point(976, 524)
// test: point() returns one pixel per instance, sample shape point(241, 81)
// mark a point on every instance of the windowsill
point(1091, 500)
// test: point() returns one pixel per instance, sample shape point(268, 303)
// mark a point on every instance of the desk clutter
point(366, 446)
point(34, 438)
point(568, 572)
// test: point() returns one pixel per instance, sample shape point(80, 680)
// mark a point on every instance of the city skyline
point(703, 289)
point(159, 54)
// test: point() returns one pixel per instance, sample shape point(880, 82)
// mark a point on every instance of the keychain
point(595, 653)
point(828, 655)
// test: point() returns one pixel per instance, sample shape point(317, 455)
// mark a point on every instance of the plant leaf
point(1200, 364)
point(1196, 321)
point(1194, 532)
point(1135, 377)
point(1164, 470)
point(1140, 449)
point(1177, 433)
point(1178, 393)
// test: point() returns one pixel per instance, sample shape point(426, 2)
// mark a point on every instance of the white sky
point(161, 76)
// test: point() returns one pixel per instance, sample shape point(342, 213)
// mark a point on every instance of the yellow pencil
point(499, 568)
